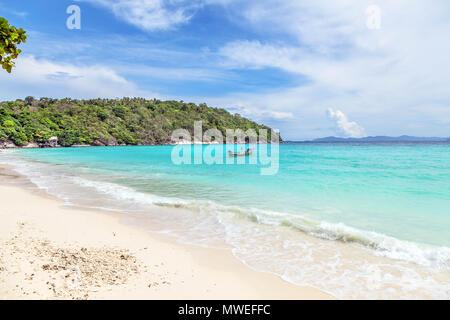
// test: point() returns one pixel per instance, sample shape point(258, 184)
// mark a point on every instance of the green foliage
point(102, 114)
point(8, 124)
point(19, 138)
point(127, 121)
point(10, 37)
point(70, 137)
point(3, 135)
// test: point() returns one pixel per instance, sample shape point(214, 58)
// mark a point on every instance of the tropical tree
point(128, 121)
point(10, 37)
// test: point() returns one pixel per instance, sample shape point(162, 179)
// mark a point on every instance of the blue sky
point(308, 68)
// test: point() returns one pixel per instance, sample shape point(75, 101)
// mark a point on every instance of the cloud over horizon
point(378, 74)
point(345, 128)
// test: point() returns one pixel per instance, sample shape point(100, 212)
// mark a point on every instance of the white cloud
point(345, 127)
point(43, 78)
point(259, 114)
point(151, 15)
point(254, 54)
point(395, 78)
point(278, 115)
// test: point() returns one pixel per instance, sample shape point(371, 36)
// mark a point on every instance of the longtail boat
point(242, 154)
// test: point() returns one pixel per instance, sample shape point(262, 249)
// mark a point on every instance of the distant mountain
point(381, 139)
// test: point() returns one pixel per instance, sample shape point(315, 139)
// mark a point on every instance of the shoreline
point(53, 252)
point(8, 145)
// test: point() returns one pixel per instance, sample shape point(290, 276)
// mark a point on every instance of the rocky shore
point(53, 143)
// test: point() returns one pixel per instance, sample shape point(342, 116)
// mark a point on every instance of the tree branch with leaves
point(10, 38)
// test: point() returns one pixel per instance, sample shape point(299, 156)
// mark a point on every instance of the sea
point(368, 220)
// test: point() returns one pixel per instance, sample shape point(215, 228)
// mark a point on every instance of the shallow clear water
point(386, 205)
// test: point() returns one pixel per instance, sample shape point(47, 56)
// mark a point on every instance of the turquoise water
point(392, 199)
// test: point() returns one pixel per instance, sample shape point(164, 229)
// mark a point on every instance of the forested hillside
point(130, 121)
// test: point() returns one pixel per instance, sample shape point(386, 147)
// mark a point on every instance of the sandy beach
point(50, 251)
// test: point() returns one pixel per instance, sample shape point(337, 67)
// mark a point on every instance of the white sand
point(48, 251)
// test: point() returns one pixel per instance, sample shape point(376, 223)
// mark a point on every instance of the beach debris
point(67, 271)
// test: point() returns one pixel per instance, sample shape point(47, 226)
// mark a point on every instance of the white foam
point(126, 193)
